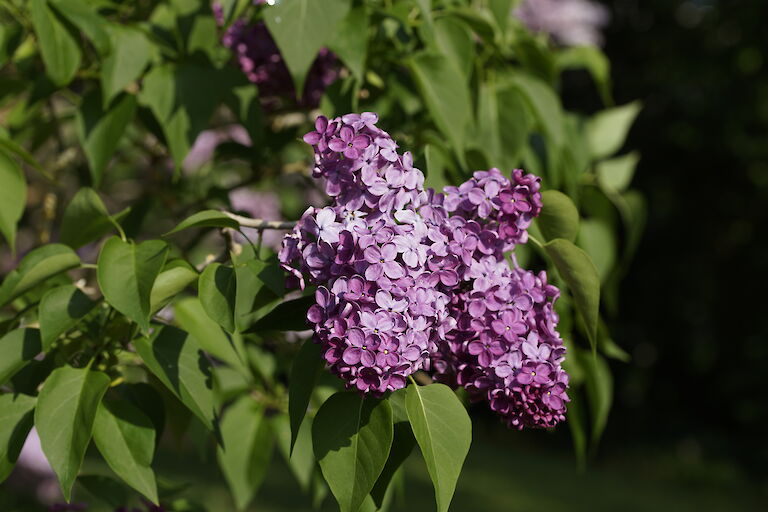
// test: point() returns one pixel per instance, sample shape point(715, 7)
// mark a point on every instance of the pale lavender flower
point(569, 22)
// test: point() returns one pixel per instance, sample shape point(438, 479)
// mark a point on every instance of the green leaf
point(300, 28)
point(126, 273)
point(579, 273)
point(13, 197)
point(125, 438)
point(607, 130)
point(175, 277)
point(500, 9)
point(100, 130)
point(290, 315)
point(85, 18)
point(17, 348)
point(173, 357)
point(447, 99)
point(615, 174)
point(85, 219)
point(131, 52)
point(437, 164)
point(110, 491)
point(15, 423)
point(247, 449)
point(444, 432)
point(597, 239)
point(454, 40)
point(206, 219)
point(64, 417)
point(301, 460)
point(352, 436)
point(545, 105)
point(217, 289)
point(350, 42)
point(502, 124)
point(37, 266)
point(206, 333)
point(306, 366)
point(58, 46)
point(60, 310)
point(259, 285)
point(402, 446)
point(559, 217)
point(593, 60)
point(183, 97)
point(599, 384)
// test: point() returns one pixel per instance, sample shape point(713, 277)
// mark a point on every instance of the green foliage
point(15, 423)
point(102, 103)
point(444, 432)
point(64, 418)
point(352, 437)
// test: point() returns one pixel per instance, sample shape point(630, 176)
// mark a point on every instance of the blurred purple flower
point(569, 22)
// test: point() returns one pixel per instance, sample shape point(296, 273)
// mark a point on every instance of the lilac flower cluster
point(410, 279)
point(261, 62)
point(379, 309)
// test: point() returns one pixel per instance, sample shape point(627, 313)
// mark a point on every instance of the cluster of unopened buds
point(410, 279)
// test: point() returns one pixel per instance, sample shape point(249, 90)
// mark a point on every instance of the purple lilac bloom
point(569, 22)
point(408, 279)
point(260, 60)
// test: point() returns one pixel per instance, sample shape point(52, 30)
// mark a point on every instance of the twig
point(248, 222)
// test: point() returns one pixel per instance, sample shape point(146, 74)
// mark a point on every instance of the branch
point(260, 224)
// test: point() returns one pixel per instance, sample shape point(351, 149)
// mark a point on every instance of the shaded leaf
point(37, 266)
point(126, 273)
point(217, 291)
point(100, 130)
point(58, 46)
point(60, 310)
point(447, 99)
point(544, 103)
point(16, 420)
point(174, 358)
point(125, 438)
point(350, 43)
point(352, 437)
point(288, 316)
point(300, 28)
point(13, 197)
point(85, 18)
point(402, 446)
point(206, 333)
point(579, 273)
point(454, 40)
point(247, 449)
point(64, 417)
point(85, 219)
point(131, 51)
point(444, 432)
point(306, 365)
point(559, 217)
point(597, 239)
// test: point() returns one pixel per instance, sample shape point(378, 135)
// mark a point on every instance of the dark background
point(693, 304)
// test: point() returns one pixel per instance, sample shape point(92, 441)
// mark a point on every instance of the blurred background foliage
point(187, 130)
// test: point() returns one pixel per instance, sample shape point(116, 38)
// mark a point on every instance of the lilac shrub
point(409, 279)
